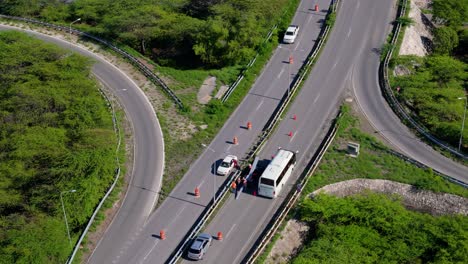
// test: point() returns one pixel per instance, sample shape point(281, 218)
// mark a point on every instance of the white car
point(291, 34)
point(228, 163)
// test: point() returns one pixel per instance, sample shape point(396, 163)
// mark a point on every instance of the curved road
point(363, 80)
point(148, 164)
point(180, 210)
point(348, 61)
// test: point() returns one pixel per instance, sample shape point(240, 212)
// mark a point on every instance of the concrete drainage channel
point(257, 146)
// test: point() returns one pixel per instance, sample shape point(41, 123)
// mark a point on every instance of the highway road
point(363, 81)
point(179, 211)
point(148, 164)
point(349, 62)
point(358, 22)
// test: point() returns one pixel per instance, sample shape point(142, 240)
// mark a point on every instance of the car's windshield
point(225, 164)
point(289, 33)
point(194, 251)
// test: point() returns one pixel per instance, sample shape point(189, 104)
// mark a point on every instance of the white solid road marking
point(349, 33)
point(334, 65)
point(124, 89)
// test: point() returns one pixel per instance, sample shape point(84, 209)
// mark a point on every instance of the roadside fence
point(111, 188)
point(393, 102)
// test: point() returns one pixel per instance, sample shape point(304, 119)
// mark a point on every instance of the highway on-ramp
point(181, 208)
point(148, 161)
point(358, 22)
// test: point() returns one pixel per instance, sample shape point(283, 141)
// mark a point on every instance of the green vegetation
point(56, 134)
point(405, 21)
point(373, 162)
point(331, 18)
point(371, 228)
point(433, 87)
point(181, 33)
point(149, 27)
point(431, 92)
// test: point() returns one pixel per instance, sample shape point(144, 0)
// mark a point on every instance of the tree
point(445, 69)
point(55, 132)
point(405, 21)
point(200, 8)
point(450, 12)
point(445, 40)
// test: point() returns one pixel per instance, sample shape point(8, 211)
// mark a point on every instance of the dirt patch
point(289, 243)
point(222, 90)
point(418, 37)
point(204, 93)
point(413, 198)
point(295, 232)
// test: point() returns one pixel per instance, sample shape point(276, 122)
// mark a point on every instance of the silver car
point(199, 246)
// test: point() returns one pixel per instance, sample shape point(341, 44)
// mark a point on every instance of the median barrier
point(258, 144)
point(143, 68)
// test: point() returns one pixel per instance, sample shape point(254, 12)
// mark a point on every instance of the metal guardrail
point(256, 147)
point(292, 197)
point(422, 166)
point(143, 68)
point(111, 188)
point(234, 85)
point(204, 217)
point(393, 102)
point(289, 202)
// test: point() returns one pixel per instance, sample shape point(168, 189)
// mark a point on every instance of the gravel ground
point(418, 38)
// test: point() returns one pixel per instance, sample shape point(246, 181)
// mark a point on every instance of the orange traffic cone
point(290, 134)
point(316, 8)
point(197, 192)
point(235, 141)
point(294, 117)
point(220, 236)
point(291, 60)
point(162, 235)
point(249, 125)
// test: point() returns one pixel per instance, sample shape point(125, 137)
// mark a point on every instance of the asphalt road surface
point(179, 211)
point(359, 24)
point(363, 80)
point(148, 152)
point(350, 61)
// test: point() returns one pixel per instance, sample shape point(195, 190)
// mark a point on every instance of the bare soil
point(418, 37)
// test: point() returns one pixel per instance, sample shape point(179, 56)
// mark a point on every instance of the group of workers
point(238, 185)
